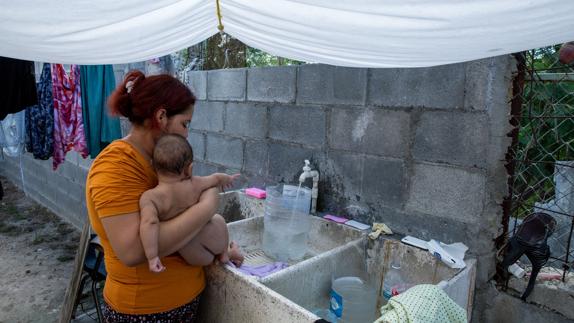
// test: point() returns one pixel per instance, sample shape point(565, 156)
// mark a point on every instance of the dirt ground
point(37, 252)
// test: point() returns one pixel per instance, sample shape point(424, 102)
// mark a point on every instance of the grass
point(9, 229)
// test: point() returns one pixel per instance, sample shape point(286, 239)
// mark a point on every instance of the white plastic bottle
point(393, 283)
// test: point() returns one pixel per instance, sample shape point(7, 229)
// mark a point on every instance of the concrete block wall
point(62, 191)
point(419, 149)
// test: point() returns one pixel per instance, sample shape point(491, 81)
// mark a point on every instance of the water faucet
point(309, 173)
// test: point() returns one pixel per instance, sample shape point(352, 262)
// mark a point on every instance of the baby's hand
point(155, 265)
point(227, 180)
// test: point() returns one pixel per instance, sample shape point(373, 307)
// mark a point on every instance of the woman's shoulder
point(118, 149)
point(118, 155)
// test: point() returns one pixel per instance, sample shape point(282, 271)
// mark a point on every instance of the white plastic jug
point(286, 222)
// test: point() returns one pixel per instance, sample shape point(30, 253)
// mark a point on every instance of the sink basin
point(242, 298)
point(308, 284)
point(323, 236)
point(294, 293)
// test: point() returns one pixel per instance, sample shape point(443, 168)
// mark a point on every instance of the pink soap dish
point(256, 192)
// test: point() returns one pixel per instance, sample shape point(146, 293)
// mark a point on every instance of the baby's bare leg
point(212, 240)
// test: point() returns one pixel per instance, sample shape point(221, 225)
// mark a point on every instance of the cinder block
point(83, 176)
point(226, 85)
point(203, 169)
point(304, 125)
point(346, 174)
point(447, 192)
point(198, 84)
point(256, 157)
point(85, 163)
point(488, 83)
point(372, 131)
point(450, 137)
point(422, 226)
point(325, 84)
point(432, 87)
point(208, 116)
point(225, 151)
point(68, 170)
point(197, 142)
point(72, 157)
point(286, 162)
point(383, 181)
point(272, 84)
point(76, 193)
point(246, 119)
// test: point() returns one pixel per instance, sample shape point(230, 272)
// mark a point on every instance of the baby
point(176, 191)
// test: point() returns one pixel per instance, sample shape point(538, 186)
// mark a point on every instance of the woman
point(119, 175)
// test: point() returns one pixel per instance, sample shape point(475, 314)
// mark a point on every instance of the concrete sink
point(308, 284)
point(295, 293)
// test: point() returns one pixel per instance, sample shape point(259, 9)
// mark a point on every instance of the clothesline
point(359, 33)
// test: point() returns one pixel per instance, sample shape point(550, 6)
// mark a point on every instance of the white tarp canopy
point(361, 33)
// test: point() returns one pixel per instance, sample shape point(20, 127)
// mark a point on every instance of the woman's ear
point(161, 118)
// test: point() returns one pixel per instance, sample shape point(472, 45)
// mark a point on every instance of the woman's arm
point(123, 230)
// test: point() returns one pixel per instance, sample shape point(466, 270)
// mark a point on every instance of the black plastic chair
point(95, 270)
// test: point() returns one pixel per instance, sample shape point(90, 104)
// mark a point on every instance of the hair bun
point(131, 79)
point(120, 101)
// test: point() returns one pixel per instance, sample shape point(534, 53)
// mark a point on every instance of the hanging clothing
point(17, 86)
point(12, 134)
point(98, 82)
point(40, 119)
point(68, 123)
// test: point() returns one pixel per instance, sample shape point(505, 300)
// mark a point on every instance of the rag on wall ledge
point(359, 33)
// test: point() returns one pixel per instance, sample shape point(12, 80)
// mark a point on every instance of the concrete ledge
point(557, 296)
point(495, 306)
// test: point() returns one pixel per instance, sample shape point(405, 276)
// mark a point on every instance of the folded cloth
point(379, 228)
point(262, 270)
point(422, 304)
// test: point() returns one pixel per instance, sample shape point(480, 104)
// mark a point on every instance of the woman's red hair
point(149, 94)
